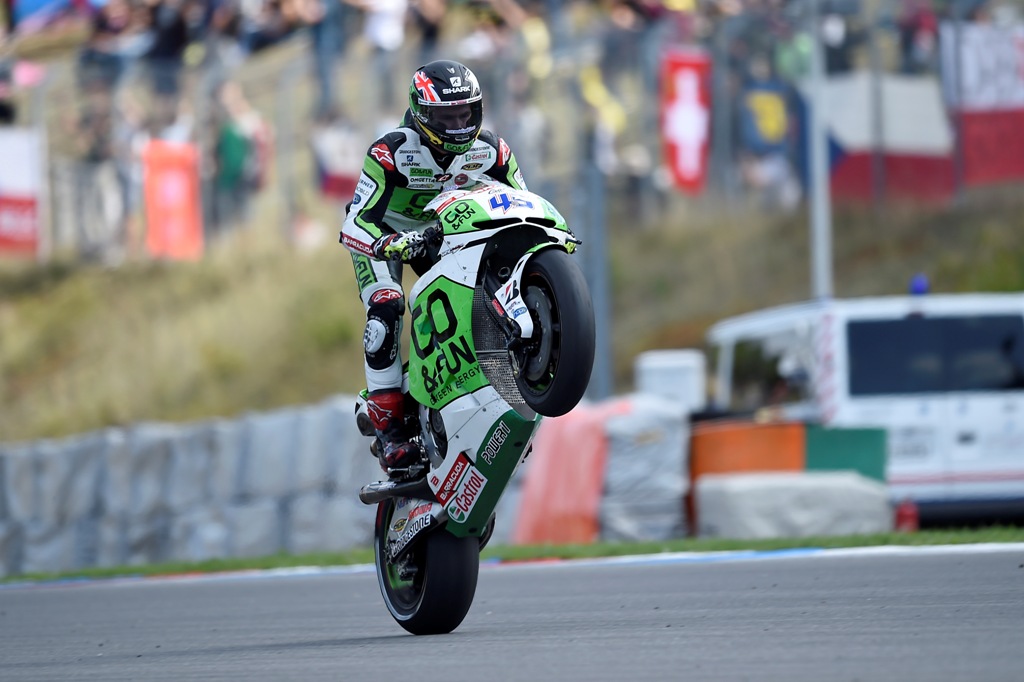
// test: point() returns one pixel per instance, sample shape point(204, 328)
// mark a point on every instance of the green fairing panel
point(460, 217)
point(497, 463)
point(443, 363)
point(552, 212)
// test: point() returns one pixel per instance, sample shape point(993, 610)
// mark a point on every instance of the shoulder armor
point(490, 137)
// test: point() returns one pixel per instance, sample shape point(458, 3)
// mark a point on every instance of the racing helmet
point(446, 106)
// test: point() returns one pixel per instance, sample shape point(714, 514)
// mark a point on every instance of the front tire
point(429, 591)
point(560, 356)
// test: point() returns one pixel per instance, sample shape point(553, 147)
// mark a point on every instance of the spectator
point(384, 30)
point(170, 38)
point(241, 154)
point(428, 15)
point(326, 37)
point(919, 37)
point(8, 108)
point(115, 28)
point(765, 130)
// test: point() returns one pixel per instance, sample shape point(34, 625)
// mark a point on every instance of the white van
point(943, 374)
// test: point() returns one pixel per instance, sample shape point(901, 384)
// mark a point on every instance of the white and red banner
point(984, 84)
point(686, 116)
point(912, 136)
point(21, 191)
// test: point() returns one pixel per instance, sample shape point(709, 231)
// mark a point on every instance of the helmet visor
point(454, 123)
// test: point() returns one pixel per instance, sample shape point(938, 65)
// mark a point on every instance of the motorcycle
point(502, 335)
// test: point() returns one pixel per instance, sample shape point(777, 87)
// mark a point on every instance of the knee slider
point(381, 336)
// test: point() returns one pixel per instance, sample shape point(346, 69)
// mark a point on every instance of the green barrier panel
point(860, 450)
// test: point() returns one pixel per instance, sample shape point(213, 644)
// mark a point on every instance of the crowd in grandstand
point(763, 44)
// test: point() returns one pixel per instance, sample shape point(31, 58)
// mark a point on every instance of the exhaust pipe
point(372, 493)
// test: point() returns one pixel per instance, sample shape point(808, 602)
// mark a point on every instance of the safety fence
point(919, 107)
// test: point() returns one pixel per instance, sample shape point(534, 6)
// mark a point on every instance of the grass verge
point(994, 534)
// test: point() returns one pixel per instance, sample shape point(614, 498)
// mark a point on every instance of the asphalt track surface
point(931, 615)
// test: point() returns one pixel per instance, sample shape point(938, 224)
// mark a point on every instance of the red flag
point(173, 213)
point(686, 116)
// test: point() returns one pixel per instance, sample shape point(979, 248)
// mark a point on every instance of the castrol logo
point(468, 496)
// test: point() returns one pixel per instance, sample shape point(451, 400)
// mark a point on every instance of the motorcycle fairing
point(412, 516)
point(499, 450)
point(443, 364)
point(510, 295)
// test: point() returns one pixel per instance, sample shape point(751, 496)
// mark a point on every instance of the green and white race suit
point(400, 176)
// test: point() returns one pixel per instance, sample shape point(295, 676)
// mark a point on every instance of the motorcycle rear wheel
point(435, 599)
point(560, 357)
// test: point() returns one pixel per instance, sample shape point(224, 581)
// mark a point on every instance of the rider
point(439, 143)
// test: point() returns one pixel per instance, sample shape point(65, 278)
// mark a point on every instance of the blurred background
point(180, 331)
point(174, 173)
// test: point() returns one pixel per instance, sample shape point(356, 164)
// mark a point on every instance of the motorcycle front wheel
point(430, 589)
point(560, 357)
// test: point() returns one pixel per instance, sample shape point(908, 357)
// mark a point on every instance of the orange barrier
point(564, 480)
point(729, 447)
point(174, 224)
point(735, 447)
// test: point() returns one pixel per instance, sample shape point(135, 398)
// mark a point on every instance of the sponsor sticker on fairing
point(468, 496)
point(411, 529)
point(418, 511)
point(495, 442)
point(451, 482)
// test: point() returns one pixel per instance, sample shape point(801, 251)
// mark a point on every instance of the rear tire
point(436, 599)
point(560, 356)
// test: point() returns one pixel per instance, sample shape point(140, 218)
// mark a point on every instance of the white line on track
point(493, 564)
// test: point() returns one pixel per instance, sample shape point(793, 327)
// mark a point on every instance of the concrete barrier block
point(12, 546)
point(72, 476)
point(86, 532)
point(112, 545)
point(788, 505)
point(48, 548)
point(312, 457)
point(348, 524)
point(148, 538)
point(150, 446)
point(191, 465)
point(254, 528)
point(227, 446)
point(268, 465)
point(116, 486)
point(20, 482)
point(199, 535)
point(307, 529)
point(4, 507)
